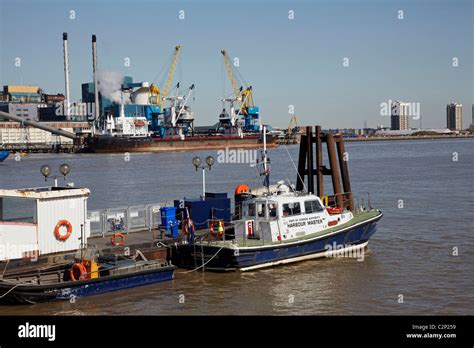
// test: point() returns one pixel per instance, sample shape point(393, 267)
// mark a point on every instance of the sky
point(423, 55)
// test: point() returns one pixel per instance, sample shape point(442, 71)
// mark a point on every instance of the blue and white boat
point(282, 225)
point(280, 228)
point(3, 155)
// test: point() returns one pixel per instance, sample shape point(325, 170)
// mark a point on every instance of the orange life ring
point(60, 236)
point(334, 210)
point(77, 267)
point(241, 188)
point(220, 228)
point(114, 242)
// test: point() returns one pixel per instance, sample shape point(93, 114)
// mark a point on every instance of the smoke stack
point(66, 76)
point(96, 83)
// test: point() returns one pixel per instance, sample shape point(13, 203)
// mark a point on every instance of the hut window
point(17, 210)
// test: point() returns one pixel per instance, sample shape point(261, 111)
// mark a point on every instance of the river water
point(420, 261)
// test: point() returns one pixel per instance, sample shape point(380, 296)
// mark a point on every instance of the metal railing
point(137, 218)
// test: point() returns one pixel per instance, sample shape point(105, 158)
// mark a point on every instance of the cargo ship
point(110, 144)
point(142, 117)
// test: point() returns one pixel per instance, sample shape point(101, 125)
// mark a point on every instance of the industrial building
point(454, 116)
point(14, 136)
point(400, 116)
point(22, 94)
point(88, 94)
point(26, 111)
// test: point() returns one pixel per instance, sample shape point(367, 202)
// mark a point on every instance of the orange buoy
point(78, 271)
point(334, 210)
point(241, 188)
point(113, 239)
point(63, 237)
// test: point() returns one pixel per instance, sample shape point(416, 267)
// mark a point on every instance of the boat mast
point(265, 161)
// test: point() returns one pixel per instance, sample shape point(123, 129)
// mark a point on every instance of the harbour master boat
point(283, 225)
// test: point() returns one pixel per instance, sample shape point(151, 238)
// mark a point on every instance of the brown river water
point(410, 256)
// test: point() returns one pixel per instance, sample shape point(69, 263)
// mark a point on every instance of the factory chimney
point(66, 76)
point(96, 82)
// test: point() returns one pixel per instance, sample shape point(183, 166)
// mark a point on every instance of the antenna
point(265, 161)
point(294, 165)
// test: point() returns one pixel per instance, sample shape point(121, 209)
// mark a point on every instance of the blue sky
point(298, 62)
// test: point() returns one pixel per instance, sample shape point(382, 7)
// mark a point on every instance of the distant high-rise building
point(454, 116)
point(400, 116)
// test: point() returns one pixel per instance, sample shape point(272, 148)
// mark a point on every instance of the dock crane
point(290, 135)
point(242, 101)
point(157, 96)
point(179, 112)
point(293, 129)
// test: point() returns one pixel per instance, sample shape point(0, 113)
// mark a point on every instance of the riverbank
point(408, 137)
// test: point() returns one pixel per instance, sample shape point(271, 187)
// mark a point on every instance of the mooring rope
point(5, 294)
point(204, 264)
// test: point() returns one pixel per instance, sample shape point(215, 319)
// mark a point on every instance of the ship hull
point(109, 144)
point(37, 293)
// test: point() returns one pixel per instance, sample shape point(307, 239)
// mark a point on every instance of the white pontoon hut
point(41, 221)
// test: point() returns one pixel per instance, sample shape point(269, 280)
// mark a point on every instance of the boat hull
point(219, 258)
point(108, 144)
point(30, 294)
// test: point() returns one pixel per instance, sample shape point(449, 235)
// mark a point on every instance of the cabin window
point(17, 210)
point(272, 210)
point(312, 207)
point(261, 210)
point(290, 209)
point(251, 209)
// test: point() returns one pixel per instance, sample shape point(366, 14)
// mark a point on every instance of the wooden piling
point(319, 161)
point(338, 167)
point(346, 183)
point(309, 159)
point(336, 179)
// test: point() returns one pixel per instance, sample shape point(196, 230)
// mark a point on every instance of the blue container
point(3, 155)
point(168, 220)
point(216, 206)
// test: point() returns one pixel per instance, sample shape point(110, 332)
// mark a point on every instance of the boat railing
point(341, 200)
point(362, 203)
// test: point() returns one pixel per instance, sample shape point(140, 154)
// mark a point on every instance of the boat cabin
point(281, 217)
point(40, 221)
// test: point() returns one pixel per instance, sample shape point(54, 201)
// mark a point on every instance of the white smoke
point(110, 86)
